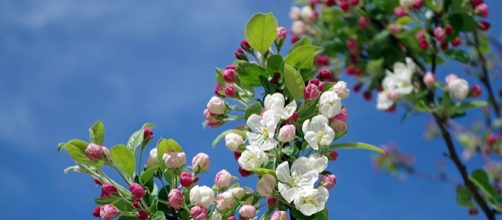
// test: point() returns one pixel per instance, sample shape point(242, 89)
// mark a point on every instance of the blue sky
point(65, 64)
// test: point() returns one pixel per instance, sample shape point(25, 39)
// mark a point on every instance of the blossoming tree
point(291, 121)
point(396, 48)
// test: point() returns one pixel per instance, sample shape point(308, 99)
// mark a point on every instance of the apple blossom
point(429, 79)
point(276, 103)
point(341, 89)
point(330, 104)
point(94, 151)
point(263, 130)
point(233, 141)
point(198, 213)
point(287, 133)
point(216, 105)
point(383, 101)
point(306, 12)
point(225, 200)
point(317, 132)
point(298, 27)
point(223, 179)
point(247, 212)
point(400, 79)
point(312, 201)
point(252, 158)
point(237, 192)
point(459, 88)
point(202, 196)
point(137, 190)
point(279, 215)
point(108, 212)
point(293, 181)
point(201, 162)
point(174, 159)
point(266, 185)
point(175, 198)
point(152, 159)
point(328, 181)
point(294, 13)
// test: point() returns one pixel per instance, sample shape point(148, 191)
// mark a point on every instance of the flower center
point(264, 132)
point(309, 200)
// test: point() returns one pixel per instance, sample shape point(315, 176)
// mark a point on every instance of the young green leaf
point(159, 215)
point(249, 73)
point(458, 55)
point(97, 133)
point(254, 108)
point(261, 31)
point(303, 56)
point(123, 157)
point(294, 82)
point(356, 145)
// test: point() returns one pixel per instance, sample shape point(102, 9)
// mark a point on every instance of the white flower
point(400, 79)
point(276, 102)
point(318, 163)
point(225, 200)
point(318, 132)
point(152, 159)
point(383, 101)
point(202, 196)
point(330, 104)
point(298, 27)
point(306, 12)
point(459, 88)
point(293, 182)
point(238, 192)
point(216, 105)
point(252, 158)
point(233, 141)
point(294, 13)
point(263, 130)
point(312, 201)
point(216, 216)
point(341, 89)
point(429, 14)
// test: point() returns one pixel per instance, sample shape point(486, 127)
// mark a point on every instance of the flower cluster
point(287, 139)
point(164, 188)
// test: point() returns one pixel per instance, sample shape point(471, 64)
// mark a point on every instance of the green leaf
point(464, 198)
point(263, 171)
point(301, 42)
point(323, 215)
point(471, 104)
point(303, 56)
point(77, 142)
point(223, 134)
point(462, 22)
point(356, 145)
point(458, 55)
point(374, 66)
point(254, 108)
point(79, 156)
point(480, 178)
point(249, 73)
point(105, 200)
point(137, 137)
point(147, 175)
point(75, 168)
point(261, 31)
point(97, 133)
point(123, 157)
point(294, 82)
point(275, 63)
point(159, 215)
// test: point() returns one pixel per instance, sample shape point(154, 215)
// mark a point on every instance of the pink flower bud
point(247, 211)
point(287, 133)
point(417, 4)
point(328, 181)
point(322, 60)
point(94, 151)
point(266, 185)
point(492, 138)
point(367, 95)
point(450, 77)
point(294, 38)
point(476, 91)
point(223, 179)
point(96, 212)
point(279, 215)
point(216, 105)
point(330, 3)
point(456, 42)
point(142, 215)
point(174, 159)
point(135, 204)
point(218, 89)
point(281, 33)
point(440, 34)
point(233, 141)
point(313, 89)
point(187, 180)
point(245, 45)
point(339, 122)
point(201, 162)
point(230, 90)
point(481, 10)
point(394, 29)
point(429, 79)
point(225, 200)
point(332, 155)
point(147, 133)
point(484, 25)
point(448, 29)
point(353, 46)
point(108, 189)
point(175, 198)
point(137, 190)
point(400, 11)
point(211, 119)
point(326, 75)
point(354, 2)
point(476, 2)
point(239, 54)
point(272, 202)
point(364, 22)
point(108, 212)
point(198, 213)
point(237, 155)
point(229, 75)
point(244, 173)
